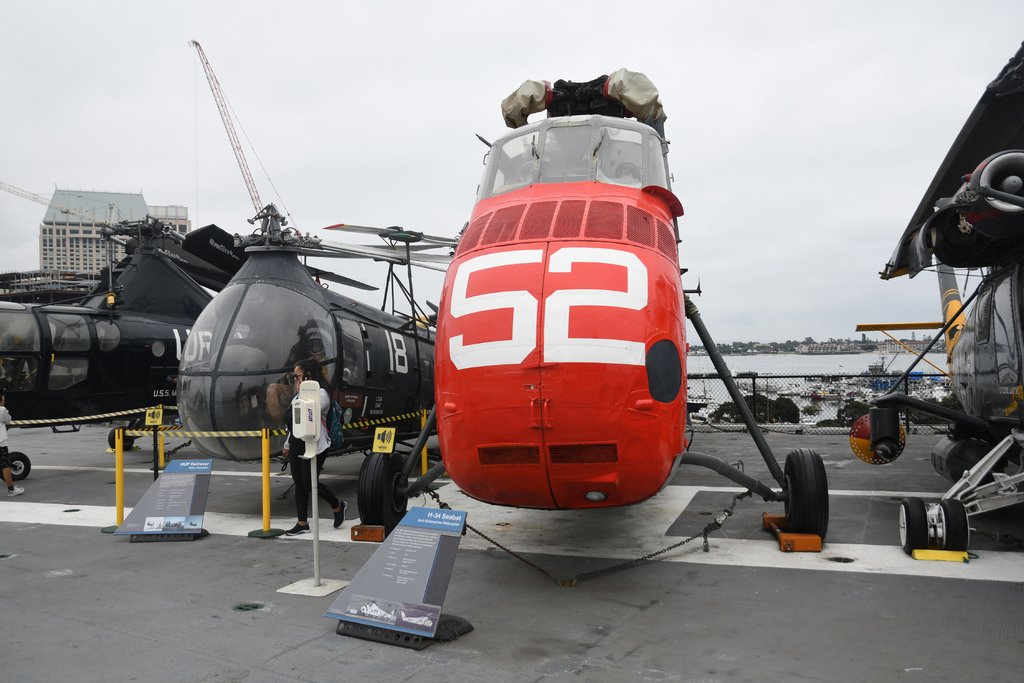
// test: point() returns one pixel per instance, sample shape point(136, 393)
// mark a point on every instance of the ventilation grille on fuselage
point(509, 455)
point(583, 453)
point(570, 219)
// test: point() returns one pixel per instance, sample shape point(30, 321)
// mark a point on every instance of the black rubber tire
point(20, 465)
point(129, 441)
point(913, 525)
point(377, 493)
point(957, 530)
point(807, 485)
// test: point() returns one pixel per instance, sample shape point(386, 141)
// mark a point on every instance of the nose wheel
point(382, 501)
point(935, 526)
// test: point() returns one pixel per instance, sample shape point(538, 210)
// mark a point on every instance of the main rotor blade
point(217, 247)
point(393, 230)
point(386, 253)
point(340, 279)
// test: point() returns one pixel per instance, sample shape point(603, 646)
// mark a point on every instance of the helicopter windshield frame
point(573, 149)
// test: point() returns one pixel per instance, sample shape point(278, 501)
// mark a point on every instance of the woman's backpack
point(334, 425)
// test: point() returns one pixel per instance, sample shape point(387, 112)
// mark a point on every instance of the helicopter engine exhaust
point(1002, 172)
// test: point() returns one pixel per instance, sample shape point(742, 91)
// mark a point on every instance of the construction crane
point(40, 199)
point(222, 107)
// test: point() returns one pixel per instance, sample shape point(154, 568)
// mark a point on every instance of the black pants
point(301, 474)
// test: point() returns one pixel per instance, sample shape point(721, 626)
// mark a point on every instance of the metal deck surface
point(85, 606)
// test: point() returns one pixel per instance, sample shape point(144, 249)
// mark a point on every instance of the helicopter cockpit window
point(657, 173)
point(353, 366)
point(69, 332)
point(207, 334)
point(516, 162)
point(620, 156)
point(299, 330)
point(108, 335)
point(20, 332)
point(17, 373)
point(984, 315)
point(568, 154)
point(67, 372)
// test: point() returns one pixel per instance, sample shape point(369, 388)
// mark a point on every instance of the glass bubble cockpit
point(235, 371)
point(576, 148)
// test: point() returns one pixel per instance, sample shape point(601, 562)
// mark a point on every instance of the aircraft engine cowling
point(952, 457)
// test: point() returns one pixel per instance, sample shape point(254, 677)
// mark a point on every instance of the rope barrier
point(363, 424)
point(85, 418)
point(178, 431)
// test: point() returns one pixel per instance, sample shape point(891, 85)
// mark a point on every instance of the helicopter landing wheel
point(807, 504)
point(380, 501)
point(20, 465)
point(955, 529)
point(127, 445)
point(936, 526)
point(913, 525)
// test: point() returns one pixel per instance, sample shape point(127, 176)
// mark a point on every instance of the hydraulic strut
point(730, 384)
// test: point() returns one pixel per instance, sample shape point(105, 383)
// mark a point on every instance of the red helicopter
point(561, 336)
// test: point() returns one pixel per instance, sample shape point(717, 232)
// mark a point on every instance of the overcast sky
point(803, 134)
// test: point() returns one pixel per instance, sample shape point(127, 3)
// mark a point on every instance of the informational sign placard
point(175, 503)
point(403, 584)
point(384, 440)
point(154, 416)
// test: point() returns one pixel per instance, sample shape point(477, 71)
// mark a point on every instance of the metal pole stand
point(316, 586)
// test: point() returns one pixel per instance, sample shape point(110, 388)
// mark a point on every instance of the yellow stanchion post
point(266, 531)
point(423, 455)
point(119, 475)
point(118, 480)
point(163, 459)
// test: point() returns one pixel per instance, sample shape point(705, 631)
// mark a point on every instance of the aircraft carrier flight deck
point(82, 605)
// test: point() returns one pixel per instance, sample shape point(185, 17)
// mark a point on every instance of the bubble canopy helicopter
point(235, 370)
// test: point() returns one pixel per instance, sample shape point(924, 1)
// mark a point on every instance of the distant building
point(45, 287)
point(69, 236)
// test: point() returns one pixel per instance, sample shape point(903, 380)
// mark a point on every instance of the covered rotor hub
point(622, 94)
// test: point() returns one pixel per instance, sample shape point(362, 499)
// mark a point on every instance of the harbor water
point(812, 364)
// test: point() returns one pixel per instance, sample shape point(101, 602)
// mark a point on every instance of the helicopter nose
point(235, 370)
point(20, 341)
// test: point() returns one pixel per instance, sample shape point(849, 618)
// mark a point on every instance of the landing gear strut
point(803, 480)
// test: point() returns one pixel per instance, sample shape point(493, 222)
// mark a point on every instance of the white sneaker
point(16, 491)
